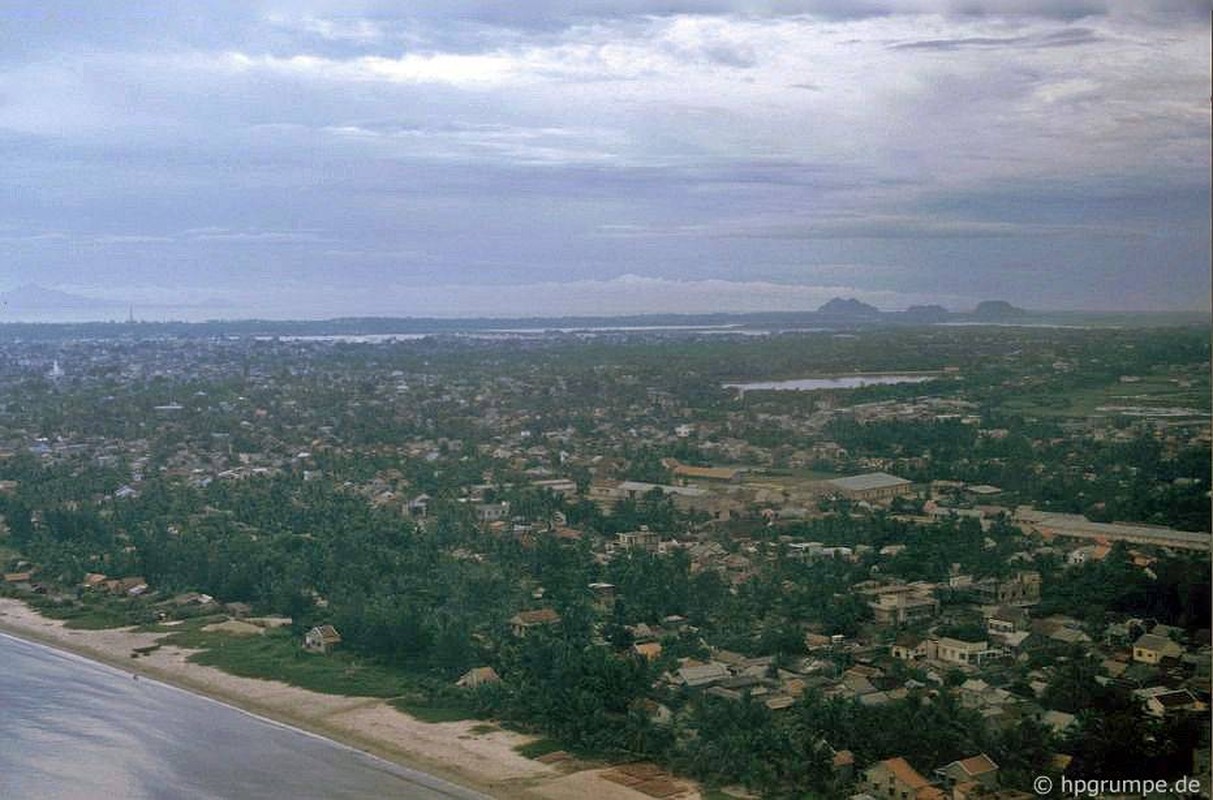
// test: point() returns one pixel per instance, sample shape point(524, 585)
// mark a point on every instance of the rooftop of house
point(1152, 641)
point(1176, 699)
point(699, 674)
point(707, 473)
point(870, 480)
point(327, 633)
point(977, 765)
point(538, 616)
point(904, 773)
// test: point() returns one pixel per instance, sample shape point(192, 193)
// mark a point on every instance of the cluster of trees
point(1177, 592)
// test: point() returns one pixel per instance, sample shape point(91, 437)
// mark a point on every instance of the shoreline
point(412, 774)
point(448, 751)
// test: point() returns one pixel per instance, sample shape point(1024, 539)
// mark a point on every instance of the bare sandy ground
point(486, 762)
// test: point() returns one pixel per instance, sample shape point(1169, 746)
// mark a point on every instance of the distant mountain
point(931, 313)
point(998, 309)
point(850, 307)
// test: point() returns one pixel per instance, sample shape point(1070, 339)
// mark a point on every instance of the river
point(74, 728)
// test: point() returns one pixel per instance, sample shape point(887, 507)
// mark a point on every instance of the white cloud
point(469, 71)
point(131, 239)
point(493, 142)
point(1038, 96)
point(260, 237)
point(338, 29)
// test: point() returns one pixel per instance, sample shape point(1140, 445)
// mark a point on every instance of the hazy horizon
point(131, 313)
point(313, 159)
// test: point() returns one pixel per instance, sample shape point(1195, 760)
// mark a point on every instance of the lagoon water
point(844, 382)
point(73, 728)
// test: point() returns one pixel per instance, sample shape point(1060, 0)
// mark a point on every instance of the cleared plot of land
point(1148, 397)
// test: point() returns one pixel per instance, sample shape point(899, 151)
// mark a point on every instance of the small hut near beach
point(321, 639)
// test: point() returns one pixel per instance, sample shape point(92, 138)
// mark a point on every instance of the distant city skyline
point(317, 159)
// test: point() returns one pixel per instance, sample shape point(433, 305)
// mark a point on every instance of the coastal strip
point(432, 753)
point(168, 702)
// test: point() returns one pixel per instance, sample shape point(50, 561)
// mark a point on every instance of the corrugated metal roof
point(871, 480)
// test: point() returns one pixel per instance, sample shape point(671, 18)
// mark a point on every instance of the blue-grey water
point(844, 382)
point(73, 728)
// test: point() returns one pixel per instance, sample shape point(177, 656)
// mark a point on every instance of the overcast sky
point(305, 158)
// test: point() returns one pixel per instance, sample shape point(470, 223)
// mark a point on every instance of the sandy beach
point(459, 752)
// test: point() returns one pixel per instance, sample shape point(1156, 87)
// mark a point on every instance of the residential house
point(976, 693)
point(133, 585)
point(92, 580)
point(564, 486)
point(1150, 648)
point(817, 641)
point(1163, 702)
point(1060, 722)
point(21, 579)
point(321, 639)
point(1022, 589)
point(1066, 634)
point(419, 506)
point(487, 513)
point(899, 605)
point(478, 676)
point(909, 647)
point(1121, 634)
point(604, 596)
point(894, 778)
point(694, 674)
point(1006, 619)
point(526, 621)
point(650, 651)
point(643, 539)
point(857, 684)
point(957, 651)
point(979, 769)
point(1090, 552)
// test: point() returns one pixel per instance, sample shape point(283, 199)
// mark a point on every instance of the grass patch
point(1148, 393)
point(190, 634)
point(426, 711)
point(88, 616)
point(484, 728)
point(93, 620)
point(715, 794)
point(278, 656)
point(539, 747)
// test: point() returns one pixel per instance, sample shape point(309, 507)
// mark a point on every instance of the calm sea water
point(73, 728)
